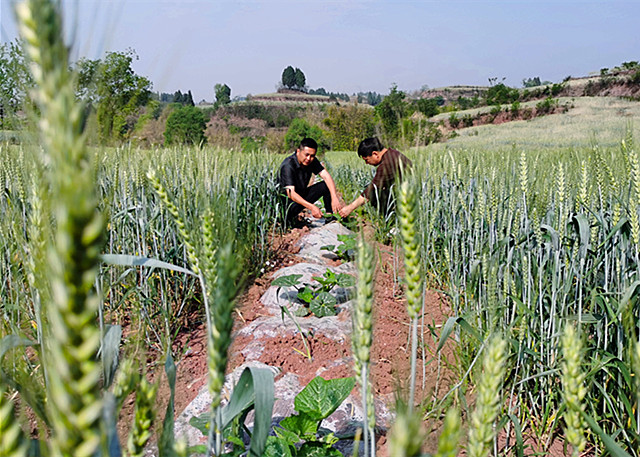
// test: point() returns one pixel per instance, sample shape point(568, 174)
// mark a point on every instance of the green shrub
point(454, 121)
point(348, 125)
point(185, 125)
point(300, 129)
point(547, 106)
point(515, 109)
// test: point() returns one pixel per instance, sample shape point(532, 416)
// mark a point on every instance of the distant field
point(602, 119)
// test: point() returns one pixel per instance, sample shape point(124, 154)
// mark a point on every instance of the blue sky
point(351, 46)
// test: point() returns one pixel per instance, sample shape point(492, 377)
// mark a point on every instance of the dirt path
point(281, 346)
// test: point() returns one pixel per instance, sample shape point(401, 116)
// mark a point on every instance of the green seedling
point(302, 434)
point(317, 298)
point(345, 250)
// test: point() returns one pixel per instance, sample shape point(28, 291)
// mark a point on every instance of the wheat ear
point(408, 218)
point(73, 392)
point(362, 337)
point(450, 436)
point(143, 418)
point(481, 431)
point(406, 435)
point(573, 389)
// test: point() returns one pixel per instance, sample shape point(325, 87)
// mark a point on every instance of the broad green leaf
point(110, 352)
point(328, 247)
point(320, 398)
point(305, 295)
point(628, 295)
point(139, 261)
point(287, 435)
point(446, 331)
point(613, 447)
point(277, 447)
point(317, 449)
point(201, 423)
point(300, 424)
point(287, 281)
point(323, 305)
point(165, 445)
point(345, 280)
point(254, 389)
point(32, 393)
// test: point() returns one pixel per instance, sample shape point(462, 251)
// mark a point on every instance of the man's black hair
point(367, 146)
point(309, 143)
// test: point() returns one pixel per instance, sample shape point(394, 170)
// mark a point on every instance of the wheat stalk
point(481, 431)
point(408, 220)
point(143, 418)
point(73, 392)
point(450, 436)
point(406, 435)
point(573, 389)
point(362, 338)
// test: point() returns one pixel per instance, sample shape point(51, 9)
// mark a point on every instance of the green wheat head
point(481, 433)
point(450, 436)
point(222, 290)
point(406, 435)
point(194, 262)
point(362, 335)
point(72, 386)
point(408, 219)
point(573, 389)
point(144, 417)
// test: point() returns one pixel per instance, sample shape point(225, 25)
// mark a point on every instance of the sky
point(350, 46)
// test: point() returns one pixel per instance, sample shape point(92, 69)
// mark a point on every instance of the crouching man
point(390, 165)
point(295, 176)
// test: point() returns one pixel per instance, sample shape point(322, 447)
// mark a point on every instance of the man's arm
point(335, 201)
point(297, 198)
point(348, 209)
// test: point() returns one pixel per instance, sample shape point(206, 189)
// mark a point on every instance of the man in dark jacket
point(295, 175)
point(390, 165)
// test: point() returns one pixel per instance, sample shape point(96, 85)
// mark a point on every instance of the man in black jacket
point(294, 177)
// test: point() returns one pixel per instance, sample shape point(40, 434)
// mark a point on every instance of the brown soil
point(390, 351)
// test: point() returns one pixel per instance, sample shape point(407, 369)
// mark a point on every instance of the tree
point(289, 77)
point(427, 106)
point(15, 78)
point(391, 110)
point(301, 81)
point(185, 125)
point(300, 129)
point(348, 125)
point(121, 93)
point(223, 95)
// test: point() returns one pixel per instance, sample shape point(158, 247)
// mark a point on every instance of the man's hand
point(348, 209)
point(336, 205)
point(315, 212)
point(345, 210)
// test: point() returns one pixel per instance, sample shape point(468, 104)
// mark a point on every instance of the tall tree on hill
point(188, 99)
point(289, 77)
point(120, 92)
point(301, 81)
point(223, 95)
point(177, 96)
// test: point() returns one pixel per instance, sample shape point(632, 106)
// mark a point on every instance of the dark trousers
point(311, 194)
